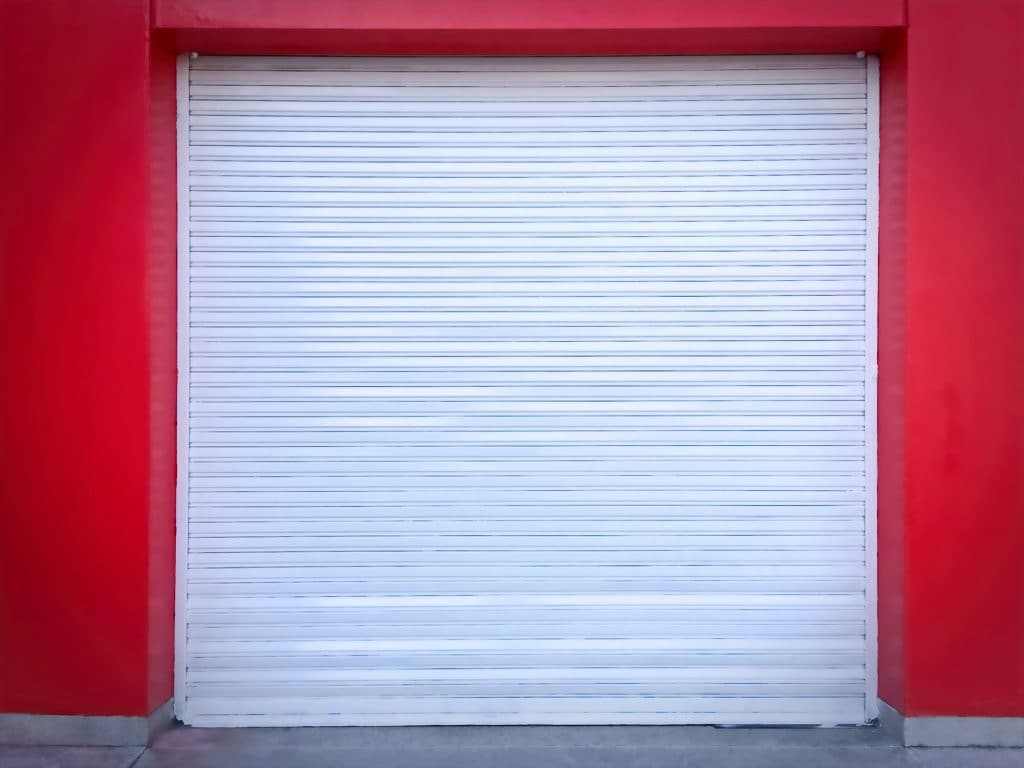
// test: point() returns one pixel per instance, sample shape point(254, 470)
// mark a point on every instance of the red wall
point(964, 514)
point(162, 287)
point(81, 488)
point(87, 311)
point(73, 394)
point(892, 355)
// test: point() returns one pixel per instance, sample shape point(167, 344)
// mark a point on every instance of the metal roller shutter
point(527, 390)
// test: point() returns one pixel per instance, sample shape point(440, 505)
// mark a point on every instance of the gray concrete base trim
point(952, 731)
point(85, 730)
point(160, 719)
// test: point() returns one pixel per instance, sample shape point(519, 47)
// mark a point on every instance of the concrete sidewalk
point(512, 747)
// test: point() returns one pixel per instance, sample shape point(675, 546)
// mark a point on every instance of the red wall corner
point(163, 334)
point(891, 366)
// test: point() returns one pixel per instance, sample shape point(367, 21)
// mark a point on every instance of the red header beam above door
point(440, 15)
point(526, 27)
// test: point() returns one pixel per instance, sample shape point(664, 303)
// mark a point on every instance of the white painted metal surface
point(527, 391)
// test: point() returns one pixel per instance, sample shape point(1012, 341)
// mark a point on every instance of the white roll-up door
point(527, 390)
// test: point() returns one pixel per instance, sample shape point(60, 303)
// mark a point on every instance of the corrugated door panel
point(526, 391)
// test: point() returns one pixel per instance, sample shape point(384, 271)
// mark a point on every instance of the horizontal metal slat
point(536, 200)
point(321, 502)
point(431, 211)
point(757, 643)
point(342, 408)
point(497, 577)
point(253, 392)
point(230, 443)
point(629, 155)
point(851, 102)
point(415, 364)
point(472, 168)
point(389, 243)
point(474, 227)
point(689, 321)
point(413, 333)
point(537, 285)
point(585, 633)
point(654, 72)
point(791, 374)
point(295, 600)
point(536, 125)
point(558, 91)
point(558, 65)
point(276, 618)
point(589, 687)
point(222, 584)
point(629, 489)
point(666, 137)
point(459, 511)
point(793, 301)
point(682, 453)
point(782, 178)
point(689, 547)
point(517, 422)
point(687, 665)
point(609, 348)
point(701, 262)
point(540, 523)
point(669, 675)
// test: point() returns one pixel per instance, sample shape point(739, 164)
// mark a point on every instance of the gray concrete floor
point(512, 747)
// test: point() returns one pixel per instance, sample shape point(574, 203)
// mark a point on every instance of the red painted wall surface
point(77, 534)
point(87, 311)
point(162, 289)
point(892, 351)
point(964, 514)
